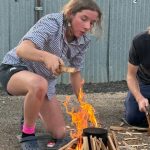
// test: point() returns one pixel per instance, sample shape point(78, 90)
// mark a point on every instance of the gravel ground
point(106, 98)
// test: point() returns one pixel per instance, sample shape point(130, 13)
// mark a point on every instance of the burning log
point(69, 145)
point(95, 144)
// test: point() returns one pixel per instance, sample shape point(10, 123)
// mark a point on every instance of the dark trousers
point(132, 114)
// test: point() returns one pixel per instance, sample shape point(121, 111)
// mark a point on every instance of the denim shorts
point(6, 72)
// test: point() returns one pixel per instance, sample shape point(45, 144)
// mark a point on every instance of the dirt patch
point(107, 99)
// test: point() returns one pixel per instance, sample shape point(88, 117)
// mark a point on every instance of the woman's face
point(83, 22)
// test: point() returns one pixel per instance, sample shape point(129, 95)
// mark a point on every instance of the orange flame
point(81, 118)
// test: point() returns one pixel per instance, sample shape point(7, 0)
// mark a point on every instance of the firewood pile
point(130, 138)
point(118, 138)
point(95, 144)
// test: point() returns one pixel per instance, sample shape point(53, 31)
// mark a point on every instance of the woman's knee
point(59, 133)
point(38, 87)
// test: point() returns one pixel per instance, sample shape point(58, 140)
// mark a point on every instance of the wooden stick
point(118, 128)
point(132, 146)
point(111, 145)
point(85, 143)
point(126, 139)
point(148, 115)
point(136, 133)
point(93, 147)
point(115, 140)
point(148, 120)
point(102, 144)
point(94, 143)
point(137, 128)
point(99, 144)
point(68, 69)
point(129, 133)
point(69, 144)
point(98, 147)
point(128, 147)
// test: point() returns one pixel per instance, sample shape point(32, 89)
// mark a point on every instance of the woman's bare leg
point(53, 118)
point(34, 87)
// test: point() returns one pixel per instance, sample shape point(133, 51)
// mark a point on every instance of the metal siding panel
point(4, 27)
point(21, 19)
point(52, 6)
point(126, 20)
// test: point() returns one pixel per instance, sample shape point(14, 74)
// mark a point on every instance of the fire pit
point(96, 132)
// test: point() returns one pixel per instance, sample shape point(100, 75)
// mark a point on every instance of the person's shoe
point(29, 143)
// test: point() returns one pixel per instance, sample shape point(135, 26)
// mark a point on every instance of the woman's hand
point(53, 63)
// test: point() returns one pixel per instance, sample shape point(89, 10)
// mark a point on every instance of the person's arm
point(133, 86)
point(76, 82)
point(27, 50)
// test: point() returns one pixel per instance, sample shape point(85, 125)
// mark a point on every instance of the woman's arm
point(133, 86)
point(76, 82)
point(27, 50)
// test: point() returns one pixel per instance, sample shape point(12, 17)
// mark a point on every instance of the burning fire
point(81, 118)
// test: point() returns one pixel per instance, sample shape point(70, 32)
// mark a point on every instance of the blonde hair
point(74, 6)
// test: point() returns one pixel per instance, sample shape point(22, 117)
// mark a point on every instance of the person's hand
point(53, 63)
point(143, 103)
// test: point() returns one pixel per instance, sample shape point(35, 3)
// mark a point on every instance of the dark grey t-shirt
point(139, 55)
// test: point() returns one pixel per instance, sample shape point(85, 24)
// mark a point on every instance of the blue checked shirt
point(48, 34)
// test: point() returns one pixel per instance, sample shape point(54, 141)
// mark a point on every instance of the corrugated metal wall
point(16, 17)
point(106, 59)
point(4, 27)
point(126, 19)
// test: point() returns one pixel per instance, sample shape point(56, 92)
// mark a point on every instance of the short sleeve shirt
point(48, 34)
point(139, 55)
